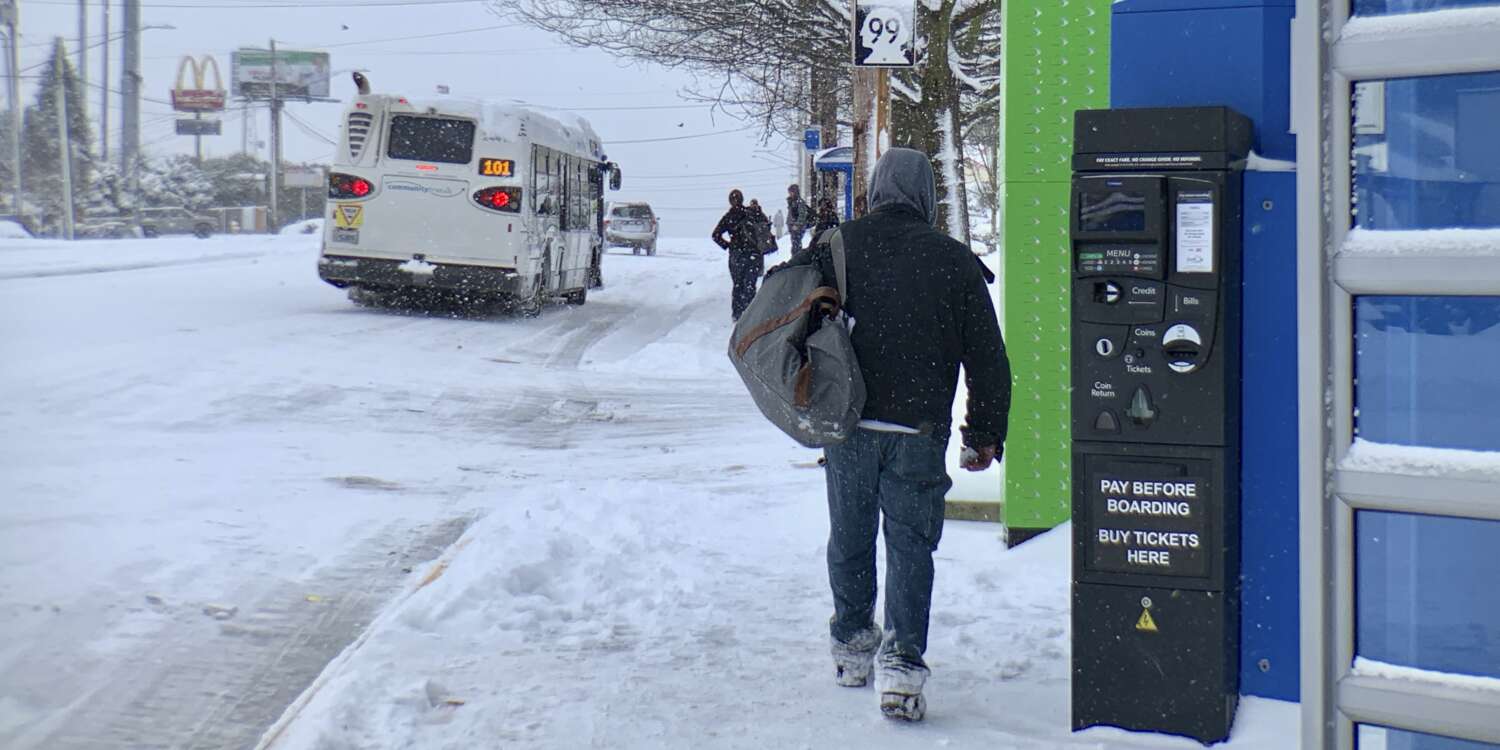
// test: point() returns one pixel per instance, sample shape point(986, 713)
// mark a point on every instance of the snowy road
point(215, 469)
point(223, 484)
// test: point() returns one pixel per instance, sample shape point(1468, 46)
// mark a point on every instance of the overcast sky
point(411, 48)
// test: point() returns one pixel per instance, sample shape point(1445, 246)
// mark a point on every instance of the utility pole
point(83, 55)
point(64, 139)
point(130, 93)
point(104, 92)
point(10, 14)
point(272, 212)
point(864, 127)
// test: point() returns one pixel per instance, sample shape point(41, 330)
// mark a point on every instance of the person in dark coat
point(828, 218)
point(798, 216)
point(746, 263)
point(920, 310)
point(767, 238)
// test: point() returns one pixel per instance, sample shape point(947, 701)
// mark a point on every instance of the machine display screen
point(1111, 211)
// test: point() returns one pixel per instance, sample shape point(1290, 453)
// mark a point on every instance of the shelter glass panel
point(1397, 7)
point(1372, 737)
point(1425, 152)
point(1425, 593)
point(1426, 371)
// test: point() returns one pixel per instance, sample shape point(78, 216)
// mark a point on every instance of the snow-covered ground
point(225, 488)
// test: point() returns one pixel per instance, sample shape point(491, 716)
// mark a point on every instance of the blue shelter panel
point(1236, 53)
point(1269, 650)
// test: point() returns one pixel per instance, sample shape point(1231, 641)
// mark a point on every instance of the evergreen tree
point(40, 157)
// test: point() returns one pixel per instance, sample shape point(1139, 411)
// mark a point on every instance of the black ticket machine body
point(1155, 233)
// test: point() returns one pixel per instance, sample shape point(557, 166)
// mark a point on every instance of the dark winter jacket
point(920, 309)
point(737, 224)
point(797, 214)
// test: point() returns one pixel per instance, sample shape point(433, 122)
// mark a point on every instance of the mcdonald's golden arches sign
point(191, 93)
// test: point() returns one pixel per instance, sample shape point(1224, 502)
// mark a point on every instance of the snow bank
point(10, 230)
point(311, 226)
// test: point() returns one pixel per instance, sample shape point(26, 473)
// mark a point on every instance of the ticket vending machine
point(1155, 232)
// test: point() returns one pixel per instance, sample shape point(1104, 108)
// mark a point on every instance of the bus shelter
point(839, 160)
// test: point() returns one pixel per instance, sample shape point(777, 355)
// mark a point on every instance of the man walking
point(798, 215)
point(746, 261)
point(920, 309)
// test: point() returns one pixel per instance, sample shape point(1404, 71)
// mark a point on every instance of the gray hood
point(903, 177)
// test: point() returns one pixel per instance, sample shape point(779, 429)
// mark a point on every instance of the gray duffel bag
point(791, 347)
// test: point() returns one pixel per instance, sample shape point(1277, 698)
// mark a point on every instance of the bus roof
point(513, 121)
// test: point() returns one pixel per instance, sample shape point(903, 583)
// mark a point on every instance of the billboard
point(303, 177)
point(200, 127)
point(299, 75)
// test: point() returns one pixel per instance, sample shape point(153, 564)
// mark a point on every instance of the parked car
point(103, 227)
point(159, 221)
point(632, 225)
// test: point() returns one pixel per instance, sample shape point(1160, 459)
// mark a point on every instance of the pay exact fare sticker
point(349, 216)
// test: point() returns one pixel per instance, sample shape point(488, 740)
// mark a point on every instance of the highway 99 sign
point(885, 34)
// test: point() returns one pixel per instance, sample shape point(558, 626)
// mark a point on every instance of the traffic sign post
point(885, 34)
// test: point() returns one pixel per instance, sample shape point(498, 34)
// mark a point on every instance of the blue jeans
point(903, 478)
point(796, 235)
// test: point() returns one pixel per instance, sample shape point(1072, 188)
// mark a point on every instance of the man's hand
point(978, 459)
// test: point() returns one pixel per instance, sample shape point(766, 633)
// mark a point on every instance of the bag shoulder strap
point(837, 243)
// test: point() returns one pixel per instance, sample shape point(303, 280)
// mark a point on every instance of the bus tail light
point(500, 199)
point(345, 186)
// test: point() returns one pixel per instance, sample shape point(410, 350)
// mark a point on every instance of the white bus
point(488, 200)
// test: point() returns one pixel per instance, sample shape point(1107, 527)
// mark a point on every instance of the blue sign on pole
point(812, 138)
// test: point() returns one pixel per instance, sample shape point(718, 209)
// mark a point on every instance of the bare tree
point(784, 63)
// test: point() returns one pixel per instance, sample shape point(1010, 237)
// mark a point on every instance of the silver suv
point(633, 225)
point(158, 221)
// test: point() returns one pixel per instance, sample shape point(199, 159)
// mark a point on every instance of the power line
point(705, 174)
point(639, 108)
point(456, 32)
point(678, 138)
point(308, 129)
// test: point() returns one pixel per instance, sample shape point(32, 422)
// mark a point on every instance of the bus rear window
point(431, 139)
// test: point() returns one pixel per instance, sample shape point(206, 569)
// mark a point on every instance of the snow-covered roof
point(838, 155)
point(511, 120)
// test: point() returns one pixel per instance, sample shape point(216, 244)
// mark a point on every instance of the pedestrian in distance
point(798, 216)
point(778, 222)
point(920, 310)
point(828, 218)
point(746, 261)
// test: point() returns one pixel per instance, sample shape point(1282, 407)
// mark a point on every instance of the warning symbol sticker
point(349, 216)
point(1145, 624)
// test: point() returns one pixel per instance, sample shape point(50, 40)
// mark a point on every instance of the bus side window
point(559, 189)
point(539, 179)
point(564, 210)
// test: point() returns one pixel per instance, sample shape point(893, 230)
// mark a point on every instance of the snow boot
point(855, 659)
point(899, 683)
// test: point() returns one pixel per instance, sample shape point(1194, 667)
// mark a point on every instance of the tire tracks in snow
point(118, 267)
point(218, 683)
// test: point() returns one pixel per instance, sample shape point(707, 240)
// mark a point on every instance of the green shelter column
point(1055, 60)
